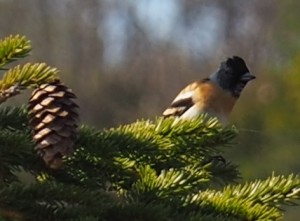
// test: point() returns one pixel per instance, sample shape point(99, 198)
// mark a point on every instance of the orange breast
point(212, 98)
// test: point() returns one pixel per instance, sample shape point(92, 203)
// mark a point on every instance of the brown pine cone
point(53, 116)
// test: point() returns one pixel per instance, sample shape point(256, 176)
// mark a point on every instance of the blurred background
point(127, 59)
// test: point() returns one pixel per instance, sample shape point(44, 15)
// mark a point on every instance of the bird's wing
point(177, 108)
point(183, 101)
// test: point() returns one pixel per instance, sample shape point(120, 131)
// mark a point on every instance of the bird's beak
point(248, 77)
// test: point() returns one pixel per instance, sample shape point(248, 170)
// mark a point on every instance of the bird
point(215, 95)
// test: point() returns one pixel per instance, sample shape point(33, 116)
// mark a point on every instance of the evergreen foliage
point(20, 77)
point(12, 48)
point(148, 170)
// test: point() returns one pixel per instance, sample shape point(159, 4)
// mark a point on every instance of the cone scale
point(53, 117)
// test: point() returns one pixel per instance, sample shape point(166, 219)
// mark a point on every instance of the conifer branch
point(53, 201)
point(23, 77)
point(13, 118)
point(28, 75)
point(17, 150)
point(13, 48)
point(275, 191)
point(169, 183)
point(154, 144)
point(258, 200)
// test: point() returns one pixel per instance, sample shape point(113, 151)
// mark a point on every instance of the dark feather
point(178, 107)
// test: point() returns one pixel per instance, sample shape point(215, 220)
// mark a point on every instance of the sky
point(161, 21)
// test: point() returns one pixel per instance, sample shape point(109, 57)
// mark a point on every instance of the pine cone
point(53, 116)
